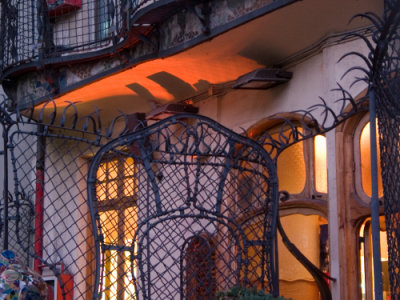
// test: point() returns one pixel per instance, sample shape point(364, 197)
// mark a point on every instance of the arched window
point(200, 269)
point(302, 167)
point(362, 160)
point(302, 172)
point(118, 217)
point(362, 157)
point(366, 260)
point(320, 164)
point(365, 161)
point(310, 235)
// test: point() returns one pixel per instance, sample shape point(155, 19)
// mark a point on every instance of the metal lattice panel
point(48, 221)
point(36, 30)
point(183, 209)
point(386, 81)
point(60, 235)
point(32, 30)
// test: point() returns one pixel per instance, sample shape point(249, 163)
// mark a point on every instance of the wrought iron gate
point(183, 209)
point(45, 217)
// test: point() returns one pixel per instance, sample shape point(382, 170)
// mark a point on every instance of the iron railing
point(179, 210)
point(34, 31)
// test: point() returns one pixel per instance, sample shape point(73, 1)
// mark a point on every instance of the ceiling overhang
point(263, 42)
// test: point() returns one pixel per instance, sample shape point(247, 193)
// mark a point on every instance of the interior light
point(320, 164)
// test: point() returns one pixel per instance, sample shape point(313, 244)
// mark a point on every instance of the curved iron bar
point(169, 143)
point(319, 276)
point(90, 123)
point(306, 125)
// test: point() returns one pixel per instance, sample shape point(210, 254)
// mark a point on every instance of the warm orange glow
point(320, 166)
point(196, 67)
point(366, 254)
point(118, 225)
point(365, 157)
point(294, 280)
point(108, 221)
point(292, 169)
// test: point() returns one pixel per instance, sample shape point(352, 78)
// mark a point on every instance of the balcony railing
point(39, 31)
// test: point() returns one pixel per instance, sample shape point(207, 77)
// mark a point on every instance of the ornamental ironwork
point(184, 209)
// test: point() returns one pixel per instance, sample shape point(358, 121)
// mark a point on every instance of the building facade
point(266, 70)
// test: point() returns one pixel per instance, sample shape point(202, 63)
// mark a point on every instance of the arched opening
point(200, 268)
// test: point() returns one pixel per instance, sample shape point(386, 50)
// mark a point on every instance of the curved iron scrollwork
point(67, 117)
point(317, 119)
point(183, 177)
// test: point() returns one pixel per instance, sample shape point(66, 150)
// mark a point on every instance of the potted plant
point(241, 293)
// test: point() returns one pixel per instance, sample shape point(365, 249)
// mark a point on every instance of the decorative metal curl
point(307, 125)
point(47, 115)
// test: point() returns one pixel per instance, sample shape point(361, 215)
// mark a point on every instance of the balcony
point(36, 33)
point(95, 50)
point(40, 38)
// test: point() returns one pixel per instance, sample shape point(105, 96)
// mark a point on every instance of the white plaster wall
point(312, 78)
point(67, 220)
point(22, 173)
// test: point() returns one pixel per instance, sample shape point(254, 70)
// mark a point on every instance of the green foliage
point(241, 293)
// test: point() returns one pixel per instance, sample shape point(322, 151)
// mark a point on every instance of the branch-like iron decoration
point(306, 124)
point(52, 117)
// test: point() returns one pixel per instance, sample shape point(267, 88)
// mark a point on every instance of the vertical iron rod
point(39, 199)
point(5, 187)
point(376, 245)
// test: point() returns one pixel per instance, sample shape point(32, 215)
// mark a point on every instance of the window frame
point(115, 204)
point(362, 195)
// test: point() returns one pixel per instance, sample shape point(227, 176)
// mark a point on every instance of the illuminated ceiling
point(265, 41)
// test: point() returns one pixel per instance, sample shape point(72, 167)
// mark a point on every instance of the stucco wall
point(312, 78)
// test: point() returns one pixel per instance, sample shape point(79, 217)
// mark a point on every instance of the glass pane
point(365, 157)
point(320, 167)
point(294, 280)
point(129, 290)
point(130, 224)
point(101, 191)
point(366, 260)
point(110, 282)
point(112, 189)
point(109, 225)
point(129, 167)
point(112, 168)
point(130, 186)
point(292, 169)
point(130, 180)
point(101, 176)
